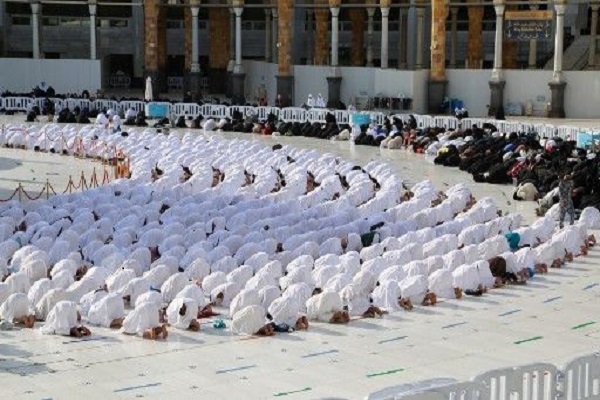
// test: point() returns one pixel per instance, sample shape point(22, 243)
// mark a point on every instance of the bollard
point(20, 189)
point(47, 189)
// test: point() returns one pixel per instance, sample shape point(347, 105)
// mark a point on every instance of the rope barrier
point(50, 190)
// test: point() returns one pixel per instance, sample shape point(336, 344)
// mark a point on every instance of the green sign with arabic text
point(528, 25)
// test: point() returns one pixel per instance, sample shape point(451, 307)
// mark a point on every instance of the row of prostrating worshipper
point(96, 252)
point(534, 165)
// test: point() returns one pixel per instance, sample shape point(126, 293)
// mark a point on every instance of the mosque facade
point(202, 46)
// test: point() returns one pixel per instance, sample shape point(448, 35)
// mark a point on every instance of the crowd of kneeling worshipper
point(254, 239)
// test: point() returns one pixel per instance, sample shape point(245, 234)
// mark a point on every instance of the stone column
point(155, 45)
point(532, 62)
point(195, 66)
point(593, 35)
point(268, 36)
point(357, 19)
point(419, 41)
point(35, 25)
point(370, 14)
point(231, 52)
point(385, 15)
point(403, 39)
point(195, 76)
point(92, 7)
point(335, 42)
point(497, 70)
point(334, 80)
point(497, 82)
point(557, 86)
point(475, 43)
point(437, 75)
point(275, 35)
point(285, 75)
point(453, 36)
point(309, 36)
point(238, 92)
point(321, 50)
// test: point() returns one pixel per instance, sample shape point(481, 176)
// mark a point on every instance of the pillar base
point(228, 87)
point(285, 88)
point(496, 109)
point(159, 81)
point(334, 88)
point(194, 85)
point(436, 92)
point(557, 104)
point(238, 90)
point(219, 81)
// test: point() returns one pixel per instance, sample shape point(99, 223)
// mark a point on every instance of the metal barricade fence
point(405, 118)
point(105, 104)
point(263, 112)
point(445, 122)
point(567, 132)
point(581, 378)
point(343, 117)
point(316, 115)
point(41, 101)
point(81, 103)
point(17, 103)
point(293, 114)
point(214, 111)
point(186, 109)
point(137, 106)
point(378, 117)
point(529, 382)
point(242, 109)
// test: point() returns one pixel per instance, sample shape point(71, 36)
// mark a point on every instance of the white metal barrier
point(17, 103)
point(529, 382)
point(137, 106)
point(245, 110)
point(581, 378)
point(578, 380)
point(41, 101)
point(456, 391)
point(186, 109)
point(105, 104)
point(263, 112)
point(316, 115)
point(445, 122)
point(214, 111)
point(378, 117)
point(343, 117)
point(81, 103)
point(293, 114)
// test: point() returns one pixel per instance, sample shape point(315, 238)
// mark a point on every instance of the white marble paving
point(455, 339)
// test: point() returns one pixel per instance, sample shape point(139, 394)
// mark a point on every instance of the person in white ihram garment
point(64, 320)
point(145, 320)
